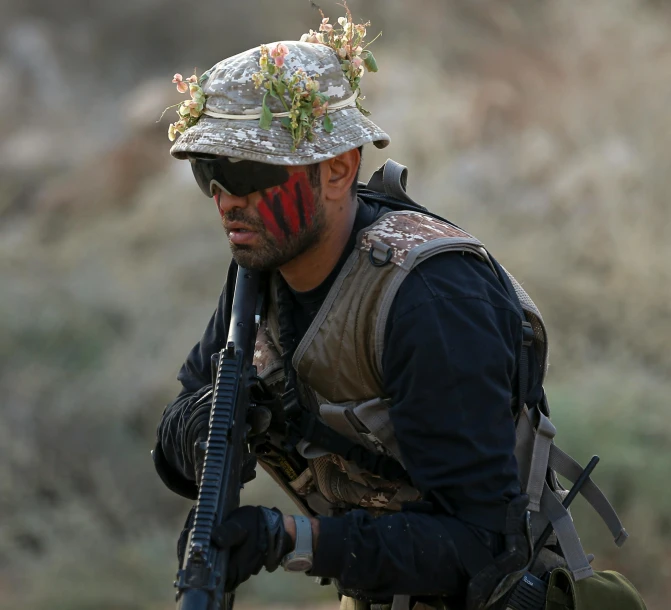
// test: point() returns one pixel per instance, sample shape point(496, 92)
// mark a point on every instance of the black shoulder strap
point(391, 179)
point(527, 338)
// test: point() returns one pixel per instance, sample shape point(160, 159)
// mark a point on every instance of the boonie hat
point(234, 102)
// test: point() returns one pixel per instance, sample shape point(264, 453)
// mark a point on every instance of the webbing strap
point(335, 417)
point(374, 414)
point(401, 602)
point(524, 444)
point(575, 557)
point(311, 429)
point(566, 466)
point(545, 432)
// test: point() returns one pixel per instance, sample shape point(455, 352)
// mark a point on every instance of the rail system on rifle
point(202, 576)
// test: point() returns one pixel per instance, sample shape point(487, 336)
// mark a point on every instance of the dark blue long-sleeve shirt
point(452, 343)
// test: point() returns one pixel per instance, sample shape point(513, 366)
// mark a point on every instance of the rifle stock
point(201, 579)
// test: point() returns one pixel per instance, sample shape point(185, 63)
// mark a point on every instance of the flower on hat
point(311, 36)
point(182, 87)
point(279, 53)
point(297, 91)
point(319, 107)
point(325, 25)
point(347, 43)
point(280, 50)
point(190, 110)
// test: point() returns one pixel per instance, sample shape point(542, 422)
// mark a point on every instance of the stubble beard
point(270, 254)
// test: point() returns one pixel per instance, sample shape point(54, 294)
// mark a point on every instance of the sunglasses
point(237, 178)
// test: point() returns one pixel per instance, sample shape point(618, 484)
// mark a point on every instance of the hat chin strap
point(350, 101)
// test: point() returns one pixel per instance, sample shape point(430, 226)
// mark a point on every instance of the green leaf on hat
point(328, 124)
point(266, 116)
point(369, 61)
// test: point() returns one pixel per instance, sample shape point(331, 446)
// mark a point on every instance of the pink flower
point(280, 50)
point(182, 87)
point(357, 62)
point(279, 61)
point(325, 26)
point(192, 79)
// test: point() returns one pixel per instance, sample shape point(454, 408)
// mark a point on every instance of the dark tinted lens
point(203, 173)
point(239, 178)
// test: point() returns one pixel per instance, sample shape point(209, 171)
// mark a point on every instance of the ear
point(338, 174)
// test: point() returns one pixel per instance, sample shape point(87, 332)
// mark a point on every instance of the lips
point(238, 227)
point(240, 233)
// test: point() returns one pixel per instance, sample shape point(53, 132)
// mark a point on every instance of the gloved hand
point(256, 538)
point(258, 420)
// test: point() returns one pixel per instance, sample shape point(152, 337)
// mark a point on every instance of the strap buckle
point(380, 254)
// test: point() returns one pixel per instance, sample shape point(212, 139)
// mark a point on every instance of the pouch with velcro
point(606, 590)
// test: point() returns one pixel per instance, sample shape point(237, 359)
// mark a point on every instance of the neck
point(309, 269)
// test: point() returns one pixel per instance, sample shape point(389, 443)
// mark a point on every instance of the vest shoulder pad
point(405, 238)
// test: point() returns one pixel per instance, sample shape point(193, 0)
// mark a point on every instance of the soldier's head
point(274, 135)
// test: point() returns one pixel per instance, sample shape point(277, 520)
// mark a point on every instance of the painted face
point(277, 224)
point(288, 209)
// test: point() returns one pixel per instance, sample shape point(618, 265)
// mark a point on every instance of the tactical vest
point(339, 367)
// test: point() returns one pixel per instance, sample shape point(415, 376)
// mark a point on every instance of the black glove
point(195, 434)
point(256, 538)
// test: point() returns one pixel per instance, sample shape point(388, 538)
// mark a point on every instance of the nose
point(225, 202)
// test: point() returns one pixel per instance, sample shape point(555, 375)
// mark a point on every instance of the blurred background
point(541, 127)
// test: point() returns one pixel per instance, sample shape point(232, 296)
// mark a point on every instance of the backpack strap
point(391, 179)
point(527, 338)
point(540, 455)
point(564, 528)
point(566, 466)
point(535, 452)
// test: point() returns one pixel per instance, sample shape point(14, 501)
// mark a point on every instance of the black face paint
point(239, 178)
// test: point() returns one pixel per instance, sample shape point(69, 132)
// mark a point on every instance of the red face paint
point(288, 208)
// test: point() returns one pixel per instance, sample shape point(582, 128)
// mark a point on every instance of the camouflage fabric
point(345, 485)
point(231, 91)
point(405, 231)
point(267, 358)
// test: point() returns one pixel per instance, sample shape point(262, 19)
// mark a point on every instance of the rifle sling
point(309, 427)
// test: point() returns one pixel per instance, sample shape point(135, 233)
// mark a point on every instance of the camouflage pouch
point(602, 590)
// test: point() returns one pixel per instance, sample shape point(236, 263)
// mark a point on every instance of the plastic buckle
point(380, 254)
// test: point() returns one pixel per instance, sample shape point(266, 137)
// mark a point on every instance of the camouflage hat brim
point(244, 139)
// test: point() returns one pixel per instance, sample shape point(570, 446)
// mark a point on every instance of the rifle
point(201, 580)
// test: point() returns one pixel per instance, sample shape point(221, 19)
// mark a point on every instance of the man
point(384, 324)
